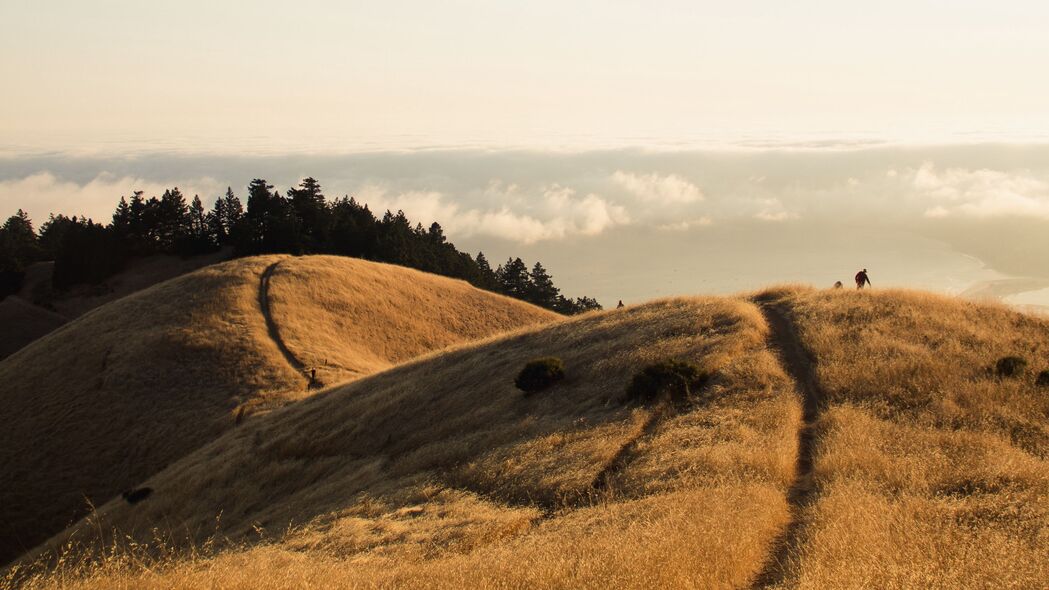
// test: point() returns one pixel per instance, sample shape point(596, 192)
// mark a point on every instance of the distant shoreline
point(1000, 290)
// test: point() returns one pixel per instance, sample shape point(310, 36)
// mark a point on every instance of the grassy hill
point(38, 309)
point(23, 323)
point(439, 469)
point(843, 439)
point(138, 274)
point(931, 465)
point(118, 394)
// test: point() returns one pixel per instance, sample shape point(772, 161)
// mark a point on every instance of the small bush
point(540, 374)
point(1010, 366)
point(675, 378)
point(1043, 379)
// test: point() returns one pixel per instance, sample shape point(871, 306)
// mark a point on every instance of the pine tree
point(234, 210)
point(513, 278)
point(198, 223)
point(436, 234)
point(258, 215)
point(18, 249)
point(122, 219)
point(310, 207)
point(541, 290)
point(486, 276)
point(216, 222)
point(173, 219)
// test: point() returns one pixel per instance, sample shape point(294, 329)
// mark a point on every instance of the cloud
point(773, 210)
point(981, 193)
point(687, 224)
point(654, 188)
point(42, 193)
point(506, 211)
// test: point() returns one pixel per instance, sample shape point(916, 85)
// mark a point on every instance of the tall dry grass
point(348, 317)
point(115, 396)
point(439, 473)
point(931, 471)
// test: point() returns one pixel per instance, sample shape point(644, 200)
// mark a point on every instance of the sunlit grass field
point(928, 467)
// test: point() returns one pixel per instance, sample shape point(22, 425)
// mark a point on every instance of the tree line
point(301, 221)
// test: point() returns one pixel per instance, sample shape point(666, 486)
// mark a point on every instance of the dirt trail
point(625, 454)
point(271, 326)
point(799, 366)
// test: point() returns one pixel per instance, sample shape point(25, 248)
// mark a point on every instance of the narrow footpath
point(799, 366)
point(271, 326)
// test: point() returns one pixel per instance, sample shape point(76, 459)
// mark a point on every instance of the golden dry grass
point(115, 396)
point(439, 473)
point(931, 471)
point(319, 302)
point(928, 471)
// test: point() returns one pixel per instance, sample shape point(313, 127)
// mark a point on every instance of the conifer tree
point(198, 223)
point(541, 289)
point(513, 278)
point(216, 222)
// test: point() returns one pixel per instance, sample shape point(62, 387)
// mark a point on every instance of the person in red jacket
point(862, 279)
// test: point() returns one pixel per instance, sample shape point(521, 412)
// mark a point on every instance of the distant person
point(620, 306)
point(838, 285)
point(862, 279)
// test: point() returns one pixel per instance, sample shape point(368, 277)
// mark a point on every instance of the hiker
point(862, 279)
point(838, 285)
point(620, 306)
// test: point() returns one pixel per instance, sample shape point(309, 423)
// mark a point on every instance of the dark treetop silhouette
point(300, 222)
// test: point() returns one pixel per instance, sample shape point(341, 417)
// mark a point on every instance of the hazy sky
point(309, 75)
point(637, 148)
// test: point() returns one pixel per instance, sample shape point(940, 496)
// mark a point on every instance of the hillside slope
point(22, 323)
point(440, 473)
point(39, 309)
point(139, 273)
point(116, 395)
point(931, 467)
point(846, 440)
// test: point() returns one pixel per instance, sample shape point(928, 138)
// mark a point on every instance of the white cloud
point(980, 193)
point(773, 210)
point(667, 190)
point(506, 212)
point(687, 224)
point(43, 193)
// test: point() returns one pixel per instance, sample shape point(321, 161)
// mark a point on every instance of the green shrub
point(1043, 379)
point(676, 378)
point(1010, 366)
point(540, 374)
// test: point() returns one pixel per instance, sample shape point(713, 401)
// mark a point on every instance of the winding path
point(271, 326)
point(798, 364)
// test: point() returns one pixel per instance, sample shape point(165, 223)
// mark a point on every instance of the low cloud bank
point(531, 197)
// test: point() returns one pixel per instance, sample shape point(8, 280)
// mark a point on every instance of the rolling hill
point(440, 469)
point(23, 323)
point(843, 439)
point(118, 394)
point(38, 309)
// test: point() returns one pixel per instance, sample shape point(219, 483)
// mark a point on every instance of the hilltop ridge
point(114, 396)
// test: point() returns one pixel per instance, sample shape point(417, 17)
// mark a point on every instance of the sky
point(348, 75)
point(639, 149)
